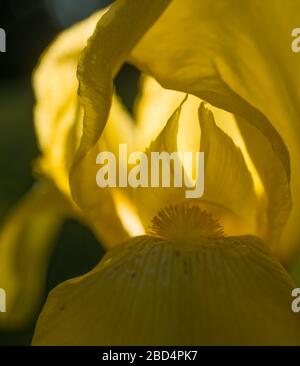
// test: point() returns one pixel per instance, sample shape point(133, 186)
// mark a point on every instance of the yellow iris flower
point(177, 271)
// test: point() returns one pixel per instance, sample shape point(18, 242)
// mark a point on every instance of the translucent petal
point(228, 182)
point(226, 53)
point(27, 238)
point(58, 117)
point(103, 208)
point(107, 49)
point(149, 200)
point(150, 291)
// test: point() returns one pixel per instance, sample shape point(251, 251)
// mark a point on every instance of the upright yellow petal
point(155, 104)
point(226, 53)
point(151, 199)
point(228, 183)
point(153, 107)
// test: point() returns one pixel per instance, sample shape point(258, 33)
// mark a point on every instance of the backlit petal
point(26, 241)
point(228, 183)
point(106, 209)
point(150, 200)
point(58, 117)
point(106, 51)
point(236, 55)
point(150, 291)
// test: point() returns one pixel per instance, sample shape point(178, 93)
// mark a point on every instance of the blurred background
point(30, 26)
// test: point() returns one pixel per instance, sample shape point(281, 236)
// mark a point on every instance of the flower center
point(185, 223)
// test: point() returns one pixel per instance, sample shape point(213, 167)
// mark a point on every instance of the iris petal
point(107, 49)
point(27, 238)
point(101, 206)
point(58, 117)
point(224, 53)
point(150, 200)
point(150, 291)
point(228, 182)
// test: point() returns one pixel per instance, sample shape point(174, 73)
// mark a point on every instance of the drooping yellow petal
point(26, 241)
point(224, 53)
point(193, 288)
point(58, 117)
point(103, 208)
point(228, 183)
point(107, 50)
point(276, 187)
